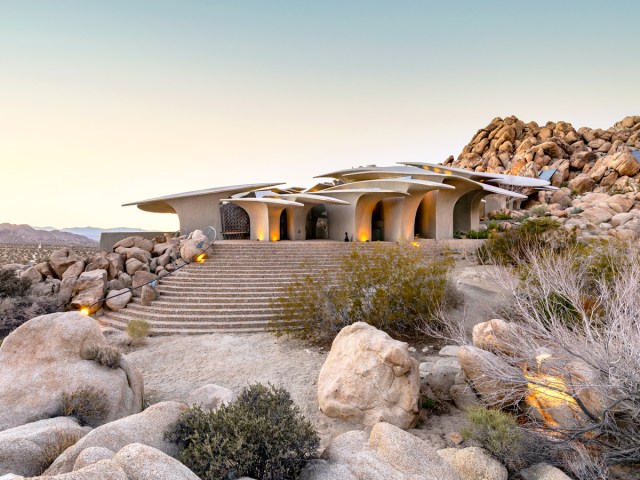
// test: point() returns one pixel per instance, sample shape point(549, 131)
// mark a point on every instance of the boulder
point(624, 163)
point(473, 463)
point(148, 294)
point(92, 455)
point(133, 265)
point(141, 278)
point(118, 299)
point(193, 246)
point(480, 366)
point(543, 471)
point(116, 265)
point(369, 377)
point(582, 183)
point(66, 289)
point(135, 241)
point(61, 260)
point(45, 269)
point(25, 450)
point(89, 290)
point(74, 270)
point(142, 462)
point(388, 454)
point(41, 360)
point(137, 253)
point(463, 396)
point(147, 428)
point(442, 376)
point(32, 274)
point(98, 261)
point(496, 336)
point(211, 396)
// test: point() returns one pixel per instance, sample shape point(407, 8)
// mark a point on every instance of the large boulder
point(118, 299)
point(473, 463)
point(43, 359)
point(60, 260)
point(116, 265)
point(142, 462)
point(147, 428)
point(194, 245)
point(369, 377)
point(141, 278)
point(135, 241)
point(543, 471)
point(89, 290)
point(24, 450)
point(32, 274)
point(388, 454)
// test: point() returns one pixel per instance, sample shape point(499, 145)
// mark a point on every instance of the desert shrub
point(500, 215)
point(497, 431)
point(261, 435)
point(535, 234)
point(138, 331)
point(14, 311)
point(11, 286)
point(578, 345)
point(538, 211)
point(394, 288)
point(87, 404)
point(53, 450)
point(478, 234)
point(106, 355)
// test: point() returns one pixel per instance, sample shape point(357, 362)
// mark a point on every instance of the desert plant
point(535, 234)
point(497, 431)
point(394, 288)
point(106, 355)
point(538, 211)
point(478, 234)
point(14, 311)
point(261, 435)
point(11, 286)
point(574, 355)
point(138, 331)
point(53, 449)
point(87, 404)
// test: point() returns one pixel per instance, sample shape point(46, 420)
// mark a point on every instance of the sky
point(105, 103)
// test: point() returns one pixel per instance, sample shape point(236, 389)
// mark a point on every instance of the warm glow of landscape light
point(84, 311)
point(275, 237)
point(201, 258)
point(363, 237)
point(415, 244)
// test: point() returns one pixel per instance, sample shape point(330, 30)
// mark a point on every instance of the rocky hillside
point(586, 159)
point(26, 235)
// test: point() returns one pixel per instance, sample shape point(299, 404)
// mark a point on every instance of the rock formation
point(369, 377)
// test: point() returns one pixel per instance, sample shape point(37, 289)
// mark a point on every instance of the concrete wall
point(109, 239)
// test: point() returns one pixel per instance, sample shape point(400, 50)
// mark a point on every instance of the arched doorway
point(283, 225)
point(317, 227)
point(377, 223)
point(235, 222)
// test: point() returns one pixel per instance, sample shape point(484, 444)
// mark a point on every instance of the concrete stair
point(233, 290)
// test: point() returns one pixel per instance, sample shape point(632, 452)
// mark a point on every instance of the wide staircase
point(233, 290)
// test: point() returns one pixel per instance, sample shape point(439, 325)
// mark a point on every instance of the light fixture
point(200, 258)
point(84, 311)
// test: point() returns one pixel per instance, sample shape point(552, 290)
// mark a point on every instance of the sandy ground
point(173, 366)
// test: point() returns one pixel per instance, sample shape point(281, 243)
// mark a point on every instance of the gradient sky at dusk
point(103, 103)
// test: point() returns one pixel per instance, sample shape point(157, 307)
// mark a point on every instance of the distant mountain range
point(77, 236)
point(90, 232)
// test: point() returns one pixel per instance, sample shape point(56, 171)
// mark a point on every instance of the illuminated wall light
point(363, 237)
point(275, 237)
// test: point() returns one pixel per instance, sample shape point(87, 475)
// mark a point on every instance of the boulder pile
point(111, 279)
point(585, 159)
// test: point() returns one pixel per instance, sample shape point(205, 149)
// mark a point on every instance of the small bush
point(512, 246)
point(87, 404)
point(496, 431)
point(53, 450)
point(14, 311)
point(138, 331)
point(12, 286)
point(261, 435)
point(106, 355)
point(538, 211)
point(396, 289)
point(478, 234)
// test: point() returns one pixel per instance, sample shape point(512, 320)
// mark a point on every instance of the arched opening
point(377, 223)
point(283, 225)
point(235, 222)
point(317, 227)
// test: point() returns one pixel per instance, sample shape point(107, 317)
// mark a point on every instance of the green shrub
point(87, 404)
point(14, 311)
point(478, 234)
point(500, 215)
point(538, 211)
point(261, 435)
point(106, 355)
point(497, 431)
point(394, 288)
point(11, 286)
point(512, 246)
point(138, 331)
